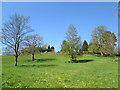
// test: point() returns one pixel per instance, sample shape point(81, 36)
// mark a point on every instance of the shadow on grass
point(36, 65)
point(97, 55)
point(80, 61)
point(41, 60)
point(45, 59)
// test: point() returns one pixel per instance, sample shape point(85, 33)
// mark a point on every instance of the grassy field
point(53, 71)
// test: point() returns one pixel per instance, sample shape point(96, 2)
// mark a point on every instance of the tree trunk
point(72, 57)
point(75, 58)
point(16, 58)
point(33, 59)
point(101, 53)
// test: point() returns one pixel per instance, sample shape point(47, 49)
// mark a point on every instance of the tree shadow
point(36, 65)
point(45, 59)
point(105, 55)
point(81, 61)
point(41, 60)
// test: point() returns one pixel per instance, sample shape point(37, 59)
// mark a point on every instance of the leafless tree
point(33, 42)
point(7, 51)
point(14, 31)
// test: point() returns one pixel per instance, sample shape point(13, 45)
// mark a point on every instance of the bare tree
point(7, 51)
point(14, 31)
point(33, 42)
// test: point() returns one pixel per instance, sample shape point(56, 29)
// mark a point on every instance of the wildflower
point(65, 86)
point(59, 78)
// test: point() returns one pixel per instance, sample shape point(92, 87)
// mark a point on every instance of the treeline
point(102, 42)
point(15, 35)
point(41, 49)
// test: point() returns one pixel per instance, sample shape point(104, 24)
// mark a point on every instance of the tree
point(33, 43)
point(102, 41)
point(109, 40)
point(13, 33)
point(97, 39)
point(52, 48)
point(85, 46)
point(73, 41)
point(91, 47)
point(64, 46)
point(7, 51)
point(118, 50)
point(49, 47)
point(44, 46)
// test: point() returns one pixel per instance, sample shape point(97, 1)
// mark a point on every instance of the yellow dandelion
point(59, 78)
point(65, 86)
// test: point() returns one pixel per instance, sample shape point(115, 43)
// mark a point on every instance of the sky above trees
point(52, 20)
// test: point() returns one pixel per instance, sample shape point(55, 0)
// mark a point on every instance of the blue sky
point(51, 20)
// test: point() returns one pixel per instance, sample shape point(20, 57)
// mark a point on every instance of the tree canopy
point(73, 41)
point(102, 41)
point(65, 46)
point(85, 46)
point(32, 42)
point(14, 31)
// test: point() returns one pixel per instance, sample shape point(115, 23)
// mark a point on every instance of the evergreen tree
point(52, 48)
point(64, 46)
point(49, 47)
point(85, 46)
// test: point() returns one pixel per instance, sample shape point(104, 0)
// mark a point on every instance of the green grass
point(53, 71)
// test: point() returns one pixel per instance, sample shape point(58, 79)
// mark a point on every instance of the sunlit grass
point(53, 71)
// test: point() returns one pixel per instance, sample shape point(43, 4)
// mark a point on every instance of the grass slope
point(53, 71)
